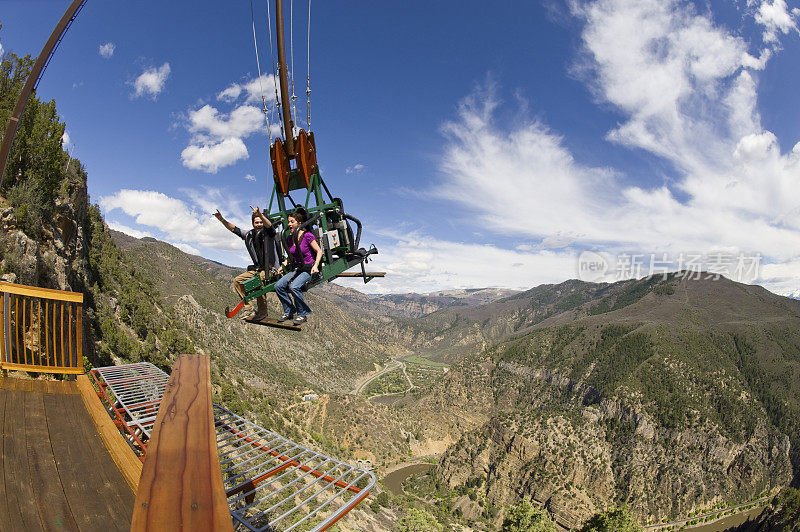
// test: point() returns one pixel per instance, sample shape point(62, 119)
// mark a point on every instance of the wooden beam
point(181, 484)
point(35, 291)
point(127, 462)
point(358, 274)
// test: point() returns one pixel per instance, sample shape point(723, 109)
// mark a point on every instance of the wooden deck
point(55, 471)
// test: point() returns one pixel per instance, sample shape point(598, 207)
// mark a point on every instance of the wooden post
point(38, 328)
point(181, 484)
point(79, 333)
point(3, 317)
point(47, 328)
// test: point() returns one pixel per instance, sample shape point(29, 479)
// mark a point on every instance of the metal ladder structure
point(271, 483)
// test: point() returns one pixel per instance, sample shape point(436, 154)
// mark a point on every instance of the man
point(260, 244)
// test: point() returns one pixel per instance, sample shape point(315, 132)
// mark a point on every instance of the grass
point(423, 361)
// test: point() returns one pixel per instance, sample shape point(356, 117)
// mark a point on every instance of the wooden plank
point(19, 493)
point(46, 293)
point(359, 274)
point(181, 486)
point(47, 328)
point(63, 344)
point(44, 369)
point(53, 387)
point(34, 385)
point(2, 330)
point(39, 331)
point(8, 383)
point(5, 517)
point(272, 322)
point(128, 463)
point(16, 329)
point(79, 335)
point(70, 387)
point(69, 335)
point(21, 327)
point(85, 467)
point(49, 498)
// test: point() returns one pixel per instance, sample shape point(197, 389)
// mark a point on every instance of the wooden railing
point(181, 483)
point(42, 329)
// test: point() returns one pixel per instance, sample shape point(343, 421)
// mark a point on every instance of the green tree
point(612, 520)
point(417, 520)
point(526, 517)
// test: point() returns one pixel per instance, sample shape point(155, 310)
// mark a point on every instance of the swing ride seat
point(269, 482)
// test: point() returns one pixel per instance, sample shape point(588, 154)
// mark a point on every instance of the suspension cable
point(291, 45)
point(272, 60)
point(260, 82)
point(308, 71)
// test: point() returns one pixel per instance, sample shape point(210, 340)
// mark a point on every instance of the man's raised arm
point(229, 226)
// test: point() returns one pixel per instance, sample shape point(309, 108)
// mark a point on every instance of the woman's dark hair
point(253, 217)
point(299, 216)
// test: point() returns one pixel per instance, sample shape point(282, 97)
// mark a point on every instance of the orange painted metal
point(350, 506)
point(288, 462)
point(306, 157)
point(280, 166)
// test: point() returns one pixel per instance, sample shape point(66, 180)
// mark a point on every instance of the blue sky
point(483, 144)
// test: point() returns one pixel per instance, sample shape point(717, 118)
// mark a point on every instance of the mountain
point(684, 395)
point(416, 305)
point(667, 395)
point(340, 343)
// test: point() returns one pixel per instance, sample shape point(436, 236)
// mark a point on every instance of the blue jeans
point(293, 282)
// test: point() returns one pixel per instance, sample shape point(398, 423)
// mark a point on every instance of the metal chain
point(274, 74)
point(260, 83)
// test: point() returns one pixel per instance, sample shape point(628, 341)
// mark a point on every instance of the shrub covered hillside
point(51, 236)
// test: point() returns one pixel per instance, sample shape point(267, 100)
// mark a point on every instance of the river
point(729, 522)
point(394, 480)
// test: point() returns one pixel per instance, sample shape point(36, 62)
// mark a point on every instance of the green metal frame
point(330, 268)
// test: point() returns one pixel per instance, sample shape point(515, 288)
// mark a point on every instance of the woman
point(307, 254)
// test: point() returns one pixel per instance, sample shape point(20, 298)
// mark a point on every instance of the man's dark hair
point(253, 217)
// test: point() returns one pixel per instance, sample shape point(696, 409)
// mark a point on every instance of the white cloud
point(782, 278)
point(186, 248)
point(107, 50)
point(116, 226)
point(776, 18)
point(210, 157)
point(685, 93)
point(250, 177)
point(420, 263)
point(252, 90)
point(65, 140)
point(355, 169)
point(186, 226)
point(151, 81)
point(1, 50)
point(208, 124)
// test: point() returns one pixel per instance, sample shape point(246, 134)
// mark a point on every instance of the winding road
point(363, 383)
